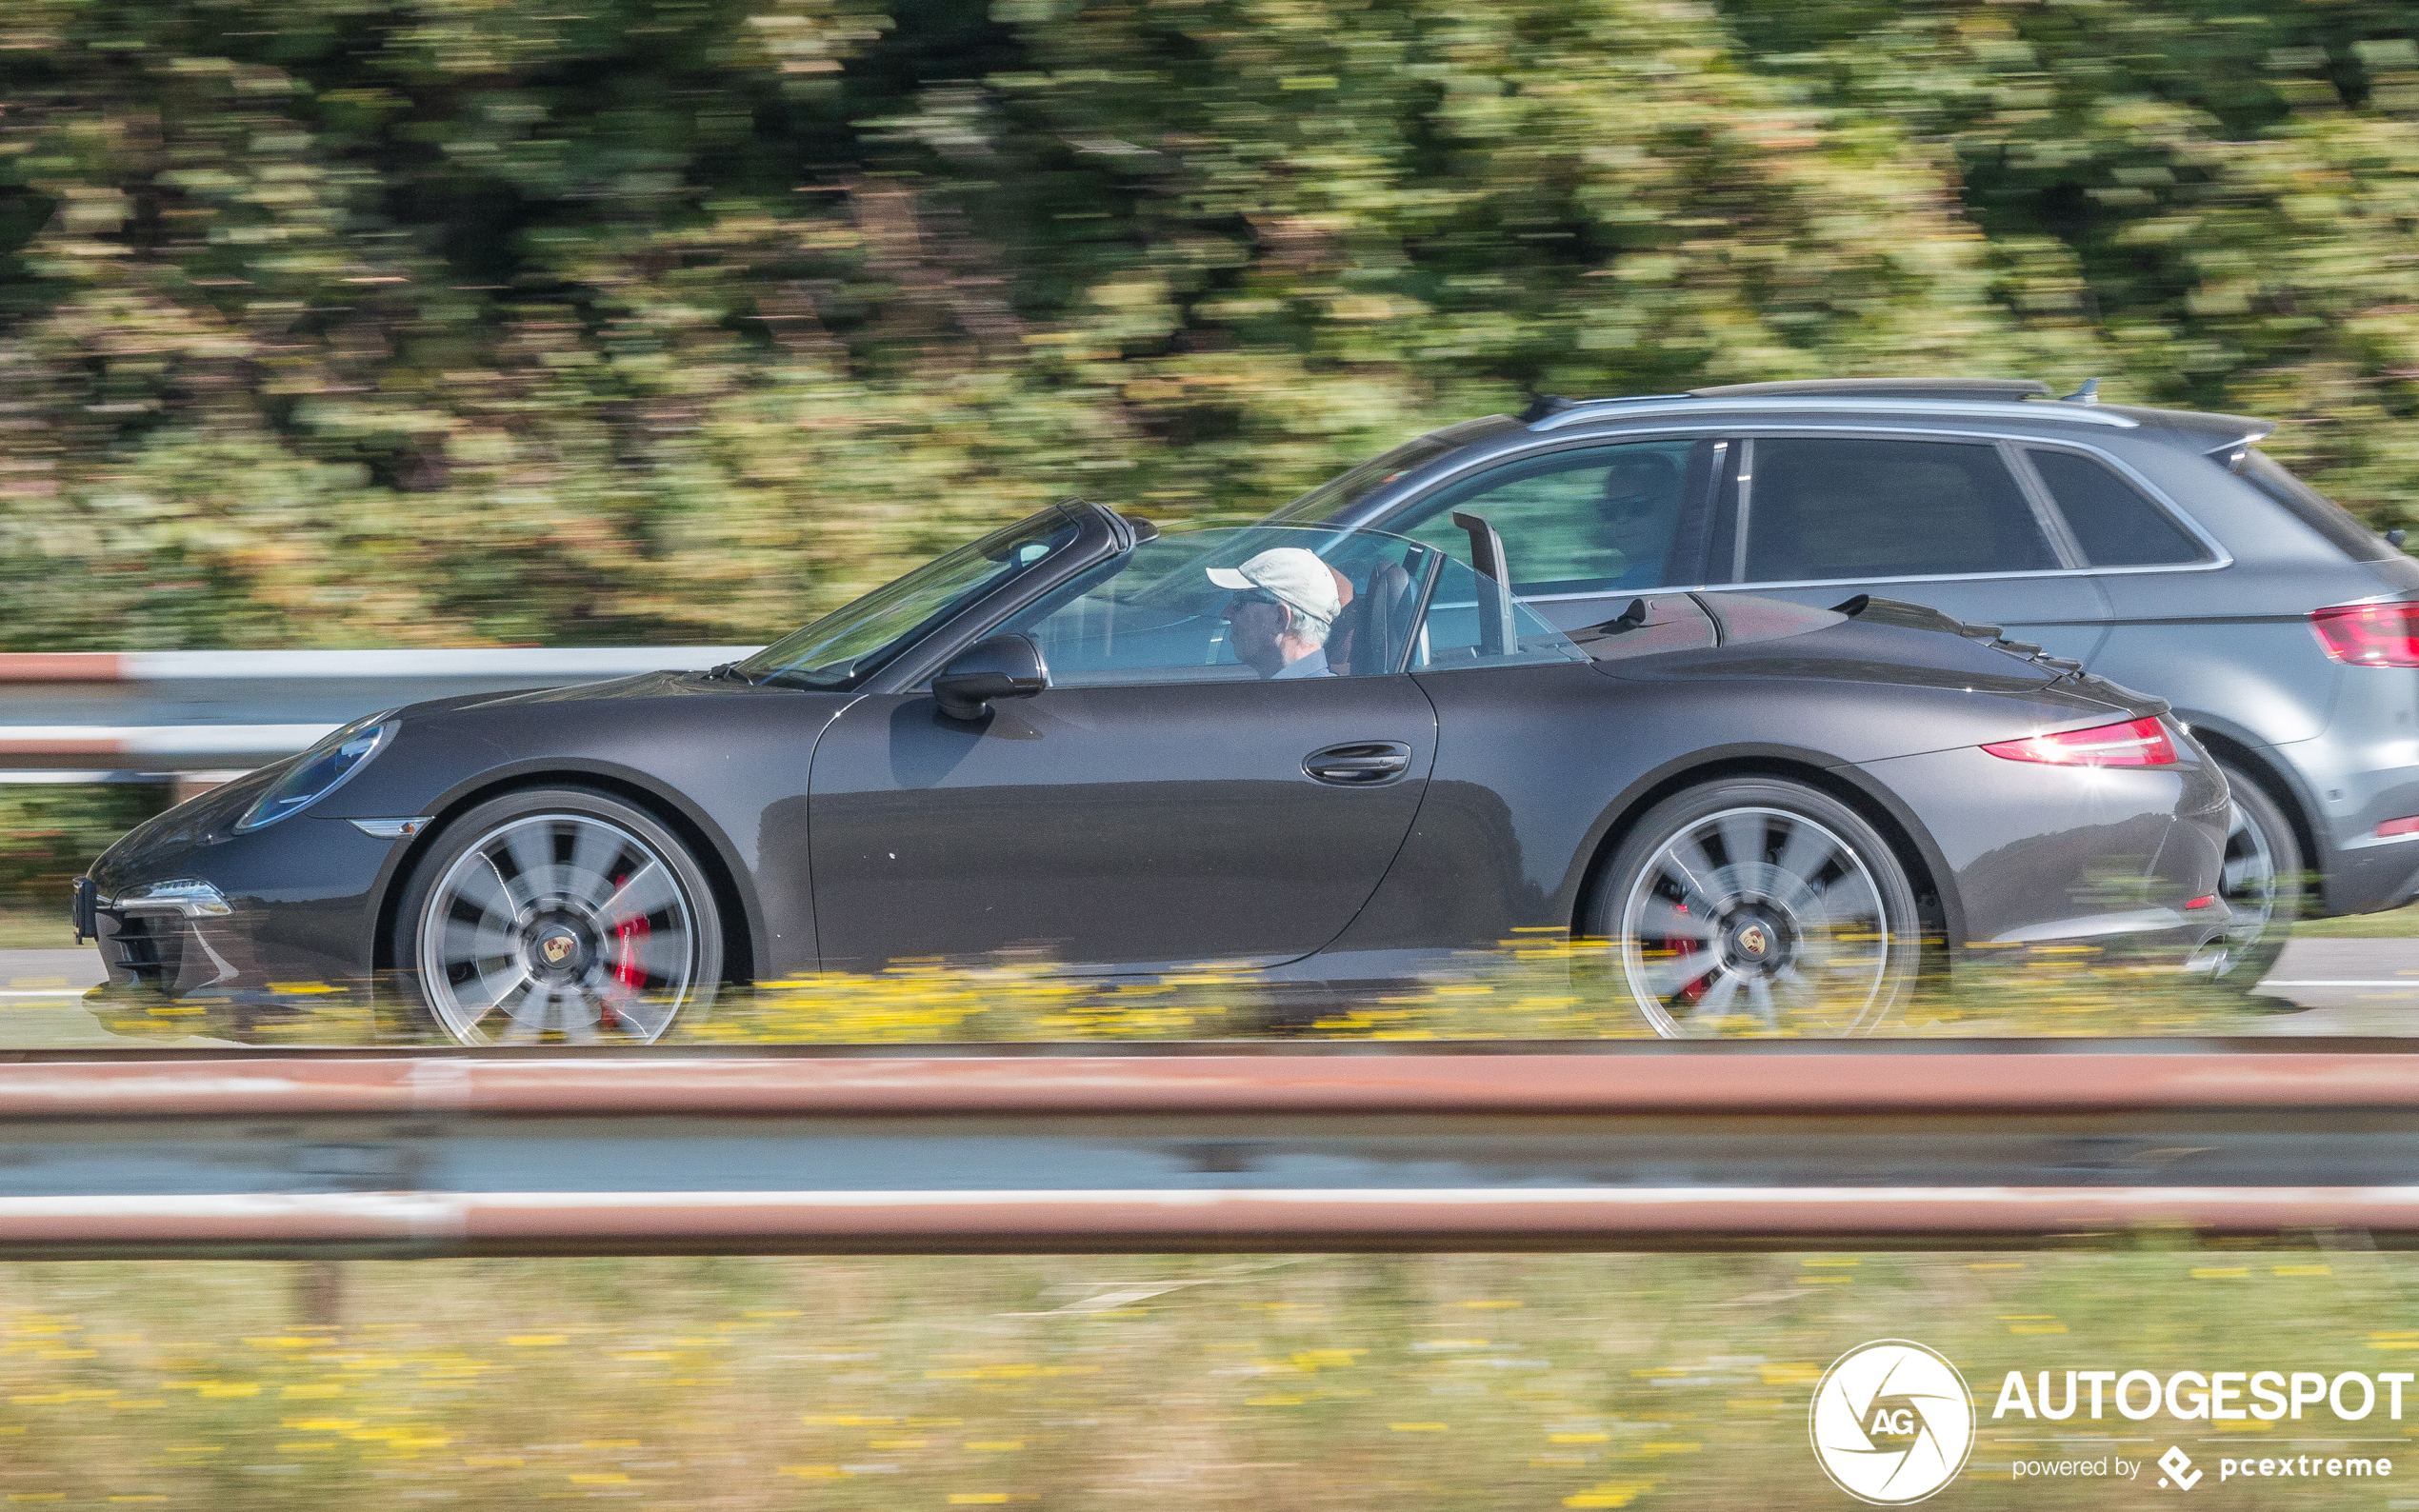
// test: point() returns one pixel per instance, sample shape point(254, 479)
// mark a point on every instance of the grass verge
point(37, 930)
point(1479, 1382)
point(2395, 923)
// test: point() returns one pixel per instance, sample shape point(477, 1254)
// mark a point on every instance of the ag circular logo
point(1892, 1423)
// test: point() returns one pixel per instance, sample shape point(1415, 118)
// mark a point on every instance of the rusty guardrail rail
point(147, 713)
point(1212, 1147)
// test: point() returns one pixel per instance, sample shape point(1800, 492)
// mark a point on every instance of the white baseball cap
point(1292, 574)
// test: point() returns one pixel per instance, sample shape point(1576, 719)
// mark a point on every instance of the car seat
point(1370, 633)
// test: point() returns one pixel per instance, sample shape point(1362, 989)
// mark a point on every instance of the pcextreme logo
point(1892, 1423)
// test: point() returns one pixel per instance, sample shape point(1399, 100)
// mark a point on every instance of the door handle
point(1362, 763)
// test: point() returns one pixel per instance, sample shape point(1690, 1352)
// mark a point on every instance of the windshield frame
point(1107, 536)
point(1084, 550)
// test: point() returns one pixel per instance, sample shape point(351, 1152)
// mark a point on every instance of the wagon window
point(1590, 519)
point(1825, 508)
point(2111, 520)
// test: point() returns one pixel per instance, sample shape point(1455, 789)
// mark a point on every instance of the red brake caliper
point(625, 967)
point(1685, 947)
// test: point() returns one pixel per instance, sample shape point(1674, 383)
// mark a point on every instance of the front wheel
point(558, 914)
point(1759, 906)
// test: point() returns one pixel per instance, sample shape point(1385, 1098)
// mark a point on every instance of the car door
point(1526, 752)
point(1950, 523)
point(1159, 805)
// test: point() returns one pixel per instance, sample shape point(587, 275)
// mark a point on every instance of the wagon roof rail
point(2005, 389)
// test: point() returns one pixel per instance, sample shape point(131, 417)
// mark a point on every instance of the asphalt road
point(2348, 986)
point(41, 1007)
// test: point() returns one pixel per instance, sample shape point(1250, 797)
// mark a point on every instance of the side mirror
point(1001, 667)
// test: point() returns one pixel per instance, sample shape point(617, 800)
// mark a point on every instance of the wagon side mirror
point(1001, 667)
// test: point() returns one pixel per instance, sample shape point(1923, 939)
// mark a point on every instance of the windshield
point(1340, 493)
point(850, 642)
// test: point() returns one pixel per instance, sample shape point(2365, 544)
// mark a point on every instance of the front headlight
point(321, 770)
point(188, 896)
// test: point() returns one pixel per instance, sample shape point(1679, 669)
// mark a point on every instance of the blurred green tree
point(327, 322)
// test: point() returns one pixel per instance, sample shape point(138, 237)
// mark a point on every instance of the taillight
point(2135, 742)
point(2370, 634)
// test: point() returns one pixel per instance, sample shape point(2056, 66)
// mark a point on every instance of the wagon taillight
point(2370, 634)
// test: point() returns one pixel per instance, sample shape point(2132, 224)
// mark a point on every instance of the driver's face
point(1635, 511)
point(1255, 622)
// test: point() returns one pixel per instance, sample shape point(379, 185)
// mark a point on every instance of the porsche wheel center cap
point(557, 949)
point(1756, 942)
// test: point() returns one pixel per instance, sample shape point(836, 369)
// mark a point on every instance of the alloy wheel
point(1757, 920)
point(558, 924)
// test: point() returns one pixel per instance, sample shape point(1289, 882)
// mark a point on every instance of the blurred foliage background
point(51, 833)
point(452, 322)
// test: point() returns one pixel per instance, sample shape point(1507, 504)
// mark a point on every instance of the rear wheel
point(1759, 906)
point(558, 913)
point(2263, 882)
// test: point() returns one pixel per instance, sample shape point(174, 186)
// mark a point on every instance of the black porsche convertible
point(1322, 756)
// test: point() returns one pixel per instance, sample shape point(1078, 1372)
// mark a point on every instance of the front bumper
point(172, 951)
point(288, 911)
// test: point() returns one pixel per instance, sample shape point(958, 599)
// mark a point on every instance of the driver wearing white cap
point(1285, 604)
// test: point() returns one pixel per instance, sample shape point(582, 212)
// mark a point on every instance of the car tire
point(1816, 932)
point(2263, 882)
point(557, 914)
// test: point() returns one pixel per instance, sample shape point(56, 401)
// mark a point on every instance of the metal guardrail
point(100, 715)
point(1314, 1147)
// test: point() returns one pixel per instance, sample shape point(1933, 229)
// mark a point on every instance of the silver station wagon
point(2158, 548)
